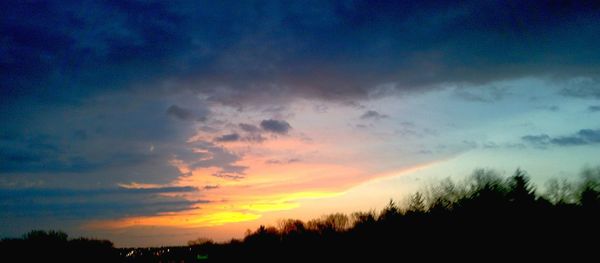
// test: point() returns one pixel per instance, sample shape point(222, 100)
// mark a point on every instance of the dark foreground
point(486, 218)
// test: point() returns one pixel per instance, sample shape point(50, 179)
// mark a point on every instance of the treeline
point(484, 217)
point(55, 246)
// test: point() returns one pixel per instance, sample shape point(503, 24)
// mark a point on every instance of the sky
point(157, 122)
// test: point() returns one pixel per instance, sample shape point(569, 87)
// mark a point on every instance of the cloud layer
point(267, 49)
point(108, 203)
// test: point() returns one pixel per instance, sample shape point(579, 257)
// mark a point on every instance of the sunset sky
point(158, 122)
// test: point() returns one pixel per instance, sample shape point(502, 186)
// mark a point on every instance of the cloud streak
point(582, 137)
point(276, 126)
point(373, 115)
point(186, 114)
point(594, 108)
point(81, 204)
point(232, 137)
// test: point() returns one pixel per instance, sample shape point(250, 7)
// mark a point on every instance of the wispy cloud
point(594, 108)
point(287, 161)
point(232, 137)
point(582, 87)
point(582, 137)
point(373, 115)
point(186, 114)
point(276, 126)
point(211, 186)
point(487, 94)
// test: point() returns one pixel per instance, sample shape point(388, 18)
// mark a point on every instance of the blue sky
point(133, 120)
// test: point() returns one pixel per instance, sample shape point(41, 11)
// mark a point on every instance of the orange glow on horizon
point(271, 183)
point(216, 214)
point(243, 206)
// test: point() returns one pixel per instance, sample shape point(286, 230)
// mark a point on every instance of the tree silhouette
point(590, 188)
point(416, 203)
point(200, 241)
point(520, 191)
point(390, 213)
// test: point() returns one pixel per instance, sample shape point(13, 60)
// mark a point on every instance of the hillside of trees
point(485, 217)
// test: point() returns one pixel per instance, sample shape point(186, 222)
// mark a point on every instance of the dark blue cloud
point(582, 87)
point(373, 115)
point(541, 139)
point(250, 128)
point(487, 95)
point(211, 186)
point(568, 140)
point(97, 142)
point(275, 126)
point(52, 192)
point(62, 50)
point(582, 137)
point(82, 204)
point(187, 114)
point(589, 135)
point(120, 138)
point(232, 137)
point(38, 152)
point(552, 108)
point(252, 133)
point(594, 108)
